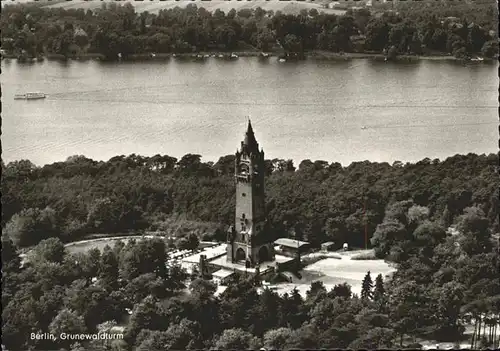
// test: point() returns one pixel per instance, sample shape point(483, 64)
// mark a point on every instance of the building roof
point(250, 136)
point(291, 242)
point(222, 273)
point(249, 143)
point(210, 253)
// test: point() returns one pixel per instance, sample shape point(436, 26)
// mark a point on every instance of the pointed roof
point(250, 142)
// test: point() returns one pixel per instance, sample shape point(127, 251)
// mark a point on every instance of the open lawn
point(332, 271)
point(85, 245)
point(100, 243)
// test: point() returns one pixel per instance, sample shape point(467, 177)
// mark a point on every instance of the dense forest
point(443, 283)
point(462, 30)
point(318, 201)
point(445, 280)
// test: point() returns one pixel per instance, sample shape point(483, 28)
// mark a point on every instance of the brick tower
point(247, 240)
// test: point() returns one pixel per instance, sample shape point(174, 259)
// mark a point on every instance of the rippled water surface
point(336, 111)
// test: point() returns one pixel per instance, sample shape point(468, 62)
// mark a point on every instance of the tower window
point(243, 215)
point(243, 194)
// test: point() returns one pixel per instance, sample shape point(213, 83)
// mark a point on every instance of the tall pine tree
point(11, 261)
point(109, 271)
point(366, 287)
point(379, 291)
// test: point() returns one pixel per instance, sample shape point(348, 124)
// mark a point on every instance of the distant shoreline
point(320, 55)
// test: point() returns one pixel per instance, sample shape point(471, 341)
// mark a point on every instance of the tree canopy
point(445, 28)
point(428, 296)
point(319, 201)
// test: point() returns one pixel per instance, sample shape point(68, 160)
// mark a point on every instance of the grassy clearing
point(333, 271)
point(177, 226)
point(85, 245)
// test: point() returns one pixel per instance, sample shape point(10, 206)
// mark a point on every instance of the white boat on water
point(477, 59)
point(30, 96)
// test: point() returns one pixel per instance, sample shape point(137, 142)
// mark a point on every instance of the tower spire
point(250, 142)
point(249, 128)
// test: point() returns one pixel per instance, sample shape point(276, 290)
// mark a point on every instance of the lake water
point(336, 111)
